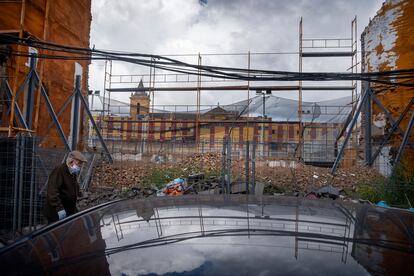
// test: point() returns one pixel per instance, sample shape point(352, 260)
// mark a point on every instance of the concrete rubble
point(202, 173)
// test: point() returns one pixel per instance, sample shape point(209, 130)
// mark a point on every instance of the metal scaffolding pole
point(299, 148)
point(53, 115)
point(368, 128)
point(228, 165)
point(76, 111)
point(223, 166)
point(389, 116)
point(263, 125)
point(354, 63)
point(392, 130)
point(85, 106)
point(235, 88)
point(104, 94)
point(348, 135)
point(197, 127)
point(20, 169)
point(248, 96)
point(30, 94)
point(247, 166)
point(16, 187)
point(62, 109)
point(17, 112)
point(17, 68)
point(404, 142)
point(253, 166)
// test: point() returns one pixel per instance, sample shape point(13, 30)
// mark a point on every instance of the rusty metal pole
point(223, 166)
point(228, 165)
point(16, 71)
point(41, 66)
point(253, 178)
point(248, 96)
point(197, 128)
point(247, 166)
point(299, 152)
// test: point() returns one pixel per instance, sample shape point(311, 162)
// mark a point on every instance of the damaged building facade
point(387, 45)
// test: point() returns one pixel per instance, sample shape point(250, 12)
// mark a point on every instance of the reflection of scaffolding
point(327, 234)
point(117, 227)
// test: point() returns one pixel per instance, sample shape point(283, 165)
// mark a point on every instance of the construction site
point(355, 150)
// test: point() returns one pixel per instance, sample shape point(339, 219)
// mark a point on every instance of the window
point(116, 126)
point(291, 132)
point(138, 108)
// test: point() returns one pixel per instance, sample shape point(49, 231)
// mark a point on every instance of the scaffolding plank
point(328, 54)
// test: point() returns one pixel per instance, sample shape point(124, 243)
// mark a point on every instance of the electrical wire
point(394, 78)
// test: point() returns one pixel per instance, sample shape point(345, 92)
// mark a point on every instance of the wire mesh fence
point(240, 163)
point(25, 167)
point(23, 176)
point(18, 177)
point(319, 152)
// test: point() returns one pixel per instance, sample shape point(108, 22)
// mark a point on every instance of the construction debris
point(328, 191)
point(302, 178)
point(308, 178)
point(208, 162)
point(202, 175)
point(174, 188)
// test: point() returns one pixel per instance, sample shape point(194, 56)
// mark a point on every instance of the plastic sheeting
point(277, 108)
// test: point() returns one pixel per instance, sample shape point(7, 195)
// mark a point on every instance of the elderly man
point(63, 188)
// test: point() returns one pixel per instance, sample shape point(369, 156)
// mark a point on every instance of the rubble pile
point(208, 162)
point(300, 178)
point(121, 174)
point(306, 178)
point(143, 179)
point(136, 174)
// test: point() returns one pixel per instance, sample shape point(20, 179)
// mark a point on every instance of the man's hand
point(62, 214)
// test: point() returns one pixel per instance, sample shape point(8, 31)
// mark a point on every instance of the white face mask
point(74, 169)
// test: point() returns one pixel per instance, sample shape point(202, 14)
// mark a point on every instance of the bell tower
point(139, 101)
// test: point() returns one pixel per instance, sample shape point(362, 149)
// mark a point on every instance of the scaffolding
point(163, 82)
point(25, 165)
point(327, 48)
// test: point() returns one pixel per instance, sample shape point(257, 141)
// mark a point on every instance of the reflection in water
point(392, 254)
point(196, 230)
point(201, 270)
point(225, 235)
point(58, 251)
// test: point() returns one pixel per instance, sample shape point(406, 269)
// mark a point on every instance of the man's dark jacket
point(62, 192)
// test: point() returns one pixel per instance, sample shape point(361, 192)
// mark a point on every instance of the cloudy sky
point(175, 27)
